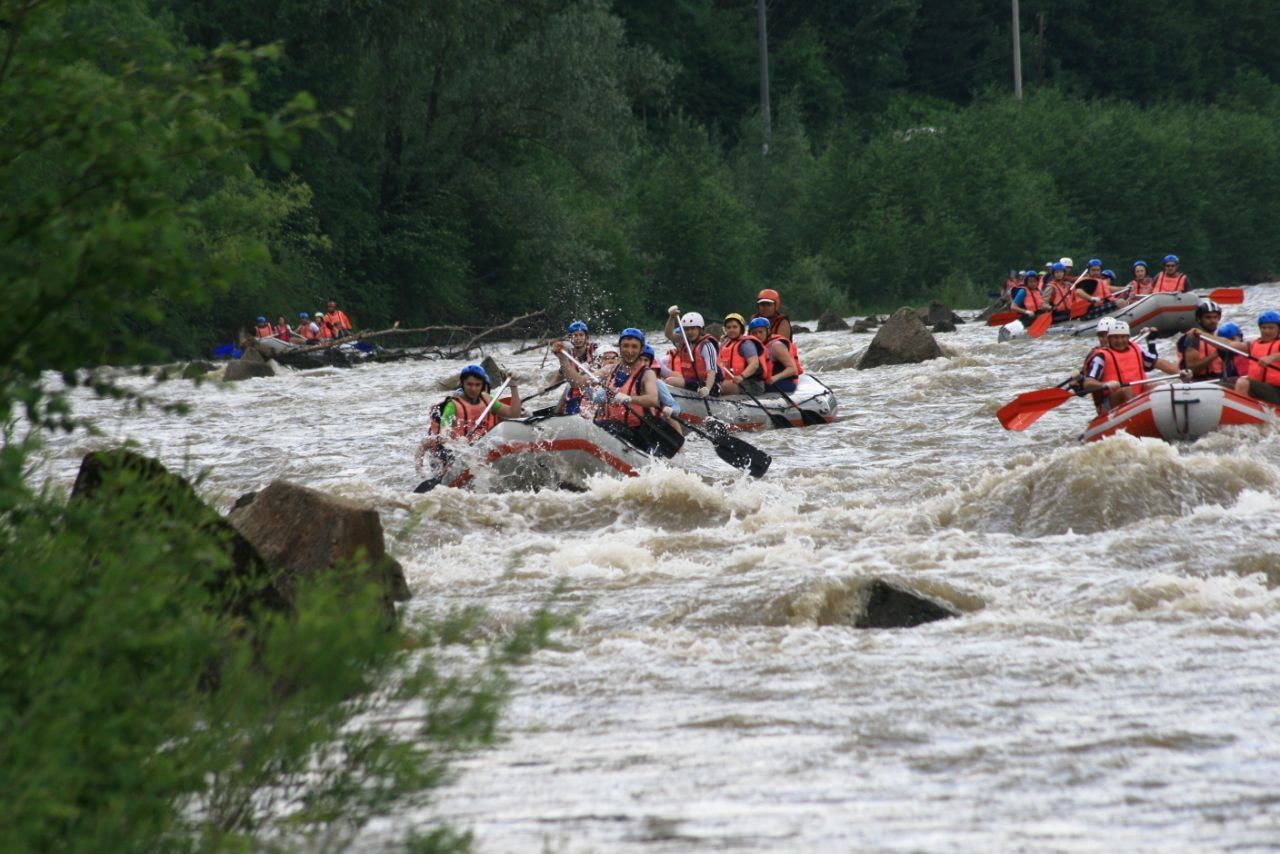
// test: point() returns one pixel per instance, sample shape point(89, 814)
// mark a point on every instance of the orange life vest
point(1059, 294)
point(766, 361)
point(1142, 287)
point(629, 414)
point(263, 330)
point(1033, 301)
point(774, 322)
point(1269, 374)
point(1209, 370)
point(1123, 367)
point(466, 417)
point(731, 357)
point(695, 372)
point(338, 319)
point(304, 329)
point(1169, 285)
point(325, 330)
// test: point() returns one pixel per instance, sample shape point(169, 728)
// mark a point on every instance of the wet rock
point(831, 322)
point(192, 370)
point(937, 313)
point(888, 606)
point(903, 340)
point(243, 369)
point(796, 330)
point(944, 326)
point(497, 376)
point(861, 325)
point(249, 353)
point(301, 533)
point(248, 583)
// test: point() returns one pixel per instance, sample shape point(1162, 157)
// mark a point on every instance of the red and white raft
point(560, 451)
point(1181, 412)
point(740, 412)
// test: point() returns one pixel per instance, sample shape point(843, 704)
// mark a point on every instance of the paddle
point(541, 392)
point(1000, 318)
point(1228, 296)
point(431, 483)
point(1040, 325)
point(775, 418)
point(808, 416)
point(736, 452)
point(1027, 408)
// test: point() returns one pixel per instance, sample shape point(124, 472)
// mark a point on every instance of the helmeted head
point(1105, 325)
point(1095, 265)
point(578, 333)
point(302, 315)
point(1059, 269)
point(768, 302)
point(630, 344)
point(262, 319)
point(1269, 324)
point(1230, 330)
point(758, 327)
point(474, 380)
point(1110, 274)
point(1171, 262)
point(1066, 262)
point(648, 352)
point(692, 324)
point(1029, 276)
point(1139, 269)
point(1119, 337)
point(1208, 314)
point(735, 325)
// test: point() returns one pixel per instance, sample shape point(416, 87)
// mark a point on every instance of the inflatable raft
point(739, 412)
point(546, 452)
point(1181, 412)
point(1170, 314)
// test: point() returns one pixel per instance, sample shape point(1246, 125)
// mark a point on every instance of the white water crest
point(1111, 682)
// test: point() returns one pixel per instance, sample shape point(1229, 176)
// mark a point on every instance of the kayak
point(1170, 314)
point(1181, 412)
point(542, 452)
point(740, 412)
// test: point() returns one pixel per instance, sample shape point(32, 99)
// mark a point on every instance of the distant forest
point(470, 160)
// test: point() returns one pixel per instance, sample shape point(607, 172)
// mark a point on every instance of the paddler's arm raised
point(514, 409)
point(673, 314)
point(569, 370)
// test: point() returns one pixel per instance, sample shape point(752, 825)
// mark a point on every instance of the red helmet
point(769, 295)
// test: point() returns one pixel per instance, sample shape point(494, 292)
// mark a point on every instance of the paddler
point(584, 351)
point(1092, 294)
point(1169, 280)
point(1234, 365)
point(263, 329)
point(1113, 370)
point(1026, 298)
point(702, 370)
point(306, 330)
point(781, 359)
point(337, 319)
point(281, 330)
point(1141, 284)
point(630, 397)
point(769, 306)
point(668, 406)
point(1057, 292)
point(458, 416)
point(739, 357)
point(1263, 380)
point(1197, 354)
point(1111, 287)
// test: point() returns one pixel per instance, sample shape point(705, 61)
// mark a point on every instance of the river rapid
point(1112, 684)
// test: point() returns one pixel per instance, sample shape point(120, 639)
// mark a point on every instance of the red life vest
point(694, 373)
point(766, 361)
point(1123, 367)
point(338, 319)
point(1269, 374)
point(731, 357)
point(1142, 287)
point(628, 414)
point(1059, 294)
point(1033, 301)
point(1169, 285)
point(465, 418)
point(1212, 369)
point(263, 330)
point(282, 331)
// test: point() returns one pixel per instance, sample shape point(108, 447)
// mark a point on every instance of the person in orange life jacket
point(325, 330)
point(1112, 292)
point(769, 306)
point(1011, 281)
point(1103, 331)
point(781, 360)
point(1234, 365)
point(1263, 380)
point(337, 320)
point(1112, 369)
point(1196, 354)
point(1057, 292)
point(668, 406)
point(740, 358)
point(702, 372)
point(631, 391)
point(306, 330)
point(281, 330)
point(572, 400)
point(1141, 284)
point(459, 413)
point(263, 329)
point(582, 350)
point(1026, 298)
point(1092, 294)
point(1169, 280)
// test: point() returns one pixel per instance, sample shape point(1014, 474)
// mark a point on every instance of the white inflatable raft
point(739, 412)
point(1170, 314)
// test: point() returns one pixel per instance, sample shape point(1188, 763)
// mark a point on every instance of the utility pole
point(764, 75)
point(1017, 54)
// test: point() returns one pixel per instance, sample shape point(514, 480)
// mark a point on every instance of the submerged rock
point(862, 324)
point(831, 322)
point(903, 340)
point(888, 606)
point(936, 313)
point(241, 369)
point(192, 370)
point(944, 326)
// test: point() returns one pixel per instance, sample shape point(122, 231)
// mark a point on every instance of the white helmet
point(1119, 327)
point(692, 319)
point(1106, 325)
point(606, 350)
point(1066, 262)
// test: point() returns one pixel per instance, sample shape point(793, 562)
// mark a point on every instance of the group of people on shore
point(1209, 351)
point(311, 329)
point(1058, 290)
point(626, 389)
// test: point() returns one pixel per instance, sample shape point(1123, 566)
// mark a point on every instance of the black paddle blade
point(740, 455)
point(427, 485)
point(780, 420)
point(811, 418)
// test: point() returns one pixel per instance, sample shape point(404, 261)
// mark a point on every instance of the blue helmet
point(474, 371)
point(577, 326)
point(648, 351)
point(1110, 274)
point(1030, 274)
point(1171, 259)
point(631, 332)
point(1269, 317)
point(758, 322)
point(1229, 330)
point(1058, 265)
point(1095, 262)
point(262, 320)
point(1141, 264)
point(303, 315)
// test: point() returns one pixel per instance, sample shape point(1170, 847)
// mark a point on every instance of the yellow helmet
point(733, 315)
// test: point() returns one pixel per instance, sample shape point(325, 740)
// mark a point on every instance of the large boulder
point(243, 369)
point(301, 533)
point(903, 340)
point(831, 322)
point(796, 330)
point(497, 376)
point(936, 313)
point(196, 369)
point(887, 606)
point(944, 326)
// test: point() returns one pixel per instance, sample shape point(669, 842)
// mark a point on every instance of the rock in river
point(903, 340)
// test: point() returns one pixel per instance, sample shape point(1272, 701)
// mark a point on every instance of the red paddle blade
point(1227, 296)
point(1041, 323)
point(1025, 409)
point(1000, 318)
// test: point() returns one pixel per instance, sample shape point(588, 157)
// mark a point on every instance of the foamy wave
point(1225, 595)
